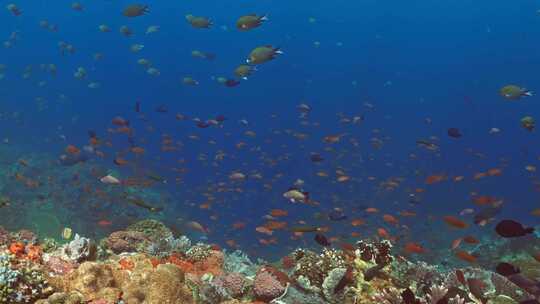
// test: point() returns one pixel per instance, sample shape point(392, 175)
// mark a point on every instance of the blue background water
point(412, 60)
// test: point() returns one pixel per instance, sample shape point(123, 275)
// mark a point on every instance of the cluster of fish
point(257, 56)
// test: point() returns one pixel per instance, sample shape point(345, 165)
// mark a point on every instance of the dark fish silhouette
point(322, 240)
point(454, 132)
point(316, 157)
point(510, 229)
point(507, 269)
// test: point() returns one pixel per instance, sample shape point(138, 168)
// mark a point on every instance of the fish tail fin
point(529, 230)
point(528, 93)
point(264, 18)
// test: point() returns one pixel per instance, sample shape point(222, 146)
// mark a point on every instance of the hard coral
point(212, 264)
point(126, 241)
point(143, 284)
point(58, 266)
point(375, 252)
point(20, 281)
point(234, 283)
point(266, 286)
point(152, 229)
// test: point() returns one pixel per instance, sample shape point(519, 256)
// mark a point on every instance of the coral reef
point(21, 281)
point(175, 271)
point(79, 249)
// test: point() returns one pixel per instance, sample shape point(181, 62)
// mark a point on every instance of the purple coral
point(267, 287)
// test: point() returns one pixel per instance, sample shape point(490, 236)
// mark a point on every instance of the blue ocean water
point(411, 61)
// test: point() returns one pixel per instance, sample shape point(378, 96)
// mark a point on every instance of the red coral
point(34, 253)
point(17, 248)
point(212, 264)
point(155, 262)
point(184, 265)
point(126, 264)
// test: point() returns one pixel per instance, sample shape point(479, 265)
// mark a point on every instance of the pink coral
point(59, 266)
point(266, 286)
point(233, 282)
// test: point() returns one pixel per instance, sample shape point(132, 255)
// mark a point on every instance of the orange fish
point(278, 212)
point(465, 256)
point(275, 225)
point(456, 243)
point(197, 227)
point(390, 219)
point(137, 150)
point(459, 178)
point(343, 178)
point(239, 225)
point(536, 212)
point(120, 161)
point(494, 172)
point(433, 179)
point(231, 243)
point(93, 141)
point(355, 234)
point(71, 149)
point(483, 200)
point(267, 242)
point(406, 213)
point(479, 175)
point(371, 210)
point(455, 222)
point(537, 257)
point(332, 139)
point(414, 248)
point(264, 230)
point(104, 223)
point(383, 233)
point(471, 240)
point(205, 206)
point(119, 121)
point(358, 222)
